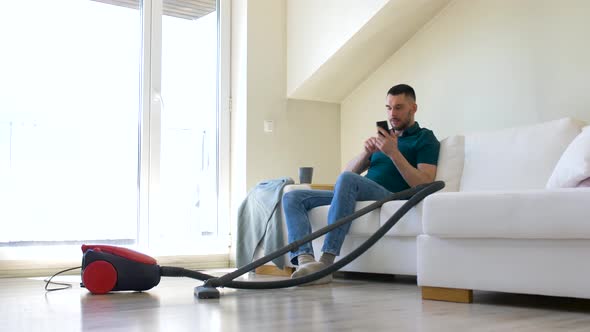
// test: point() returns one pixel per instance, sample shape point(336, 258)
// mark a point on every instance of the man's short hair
point(402, 89)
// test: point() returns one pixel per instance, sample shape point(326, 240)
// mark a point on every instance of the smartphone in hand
point(384, 125)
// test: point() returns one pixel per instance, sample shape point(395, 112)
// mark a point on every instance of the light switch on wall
point(268, 126)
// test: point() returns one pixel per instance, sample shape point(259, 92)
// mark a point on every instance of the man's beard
point(402, 126)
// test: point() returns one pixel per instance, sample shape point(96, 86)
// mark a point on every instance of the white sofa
point(510, 227)
point(495, 226)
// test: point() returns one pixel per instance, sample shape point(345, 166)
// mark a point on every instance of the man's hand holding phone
point(384, 125)
point(385, 141)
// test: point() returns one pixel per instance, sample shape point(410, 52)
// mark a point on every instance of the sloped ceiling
point(374, 42)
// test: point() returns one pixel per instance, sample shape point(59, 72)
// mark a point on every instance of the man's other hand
point(370, 145)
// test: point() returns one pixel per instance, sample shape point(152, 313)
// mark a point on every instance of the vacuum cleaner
point(109, 268)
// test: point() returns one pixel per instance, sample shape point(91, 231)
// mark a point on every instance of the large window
point(188, 164)
point(109, 125)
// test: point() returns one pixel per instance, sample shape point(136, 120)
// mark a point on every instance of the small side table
point(322, 186)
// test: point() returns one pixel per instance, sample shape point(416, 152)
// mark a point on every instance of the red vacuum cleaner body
point(109, 268)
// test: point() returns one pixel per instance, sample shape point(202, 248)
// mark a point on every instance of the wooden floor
point(351, 304)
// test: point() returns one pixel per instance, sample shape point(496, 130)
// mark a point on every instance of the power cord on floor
point(66, 286)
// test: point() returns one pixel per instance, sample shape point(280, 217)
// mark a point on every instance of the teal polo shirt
point(417, 145)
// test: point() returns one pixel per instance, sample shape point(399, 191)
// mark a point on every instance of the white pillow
point(518, 158)
point(450, 162)
point(574, 165)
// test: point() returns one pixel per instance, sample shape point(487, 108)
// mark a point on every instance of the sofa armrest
point(291, 187)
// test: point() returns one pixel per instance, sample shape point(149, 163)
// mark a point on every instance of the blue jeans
point(350, 188)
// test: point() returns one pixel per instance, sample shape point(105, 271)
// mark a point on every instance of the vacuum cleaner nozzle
point(206, 292)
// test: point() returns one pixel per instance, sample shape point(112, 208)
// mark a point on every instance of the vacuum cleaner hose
point(415, 195)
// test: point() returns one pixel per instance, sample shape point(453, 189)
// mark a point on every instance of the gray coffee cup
point(305, 174)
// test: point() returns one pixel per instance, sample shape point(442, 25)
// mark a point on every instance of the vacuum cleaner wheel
point(99, 277)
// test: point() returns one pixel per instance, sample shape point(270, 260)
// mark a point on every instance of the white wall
point(302, 131)
point(484, 64)
point(305, 133)
point(239, 40)
point(317, 29)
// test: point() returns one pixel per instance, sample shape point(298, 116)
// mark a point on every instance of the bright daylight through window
point(70, 111)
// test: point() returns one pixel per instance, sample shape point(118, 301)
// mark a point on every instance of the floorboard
point(352, 303)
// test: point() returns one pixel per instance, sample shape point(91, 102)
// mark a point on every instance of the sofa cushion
point(450, 162)
point(516, 158)
point(409, 225)
point(533, 214)
point(574, 165)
